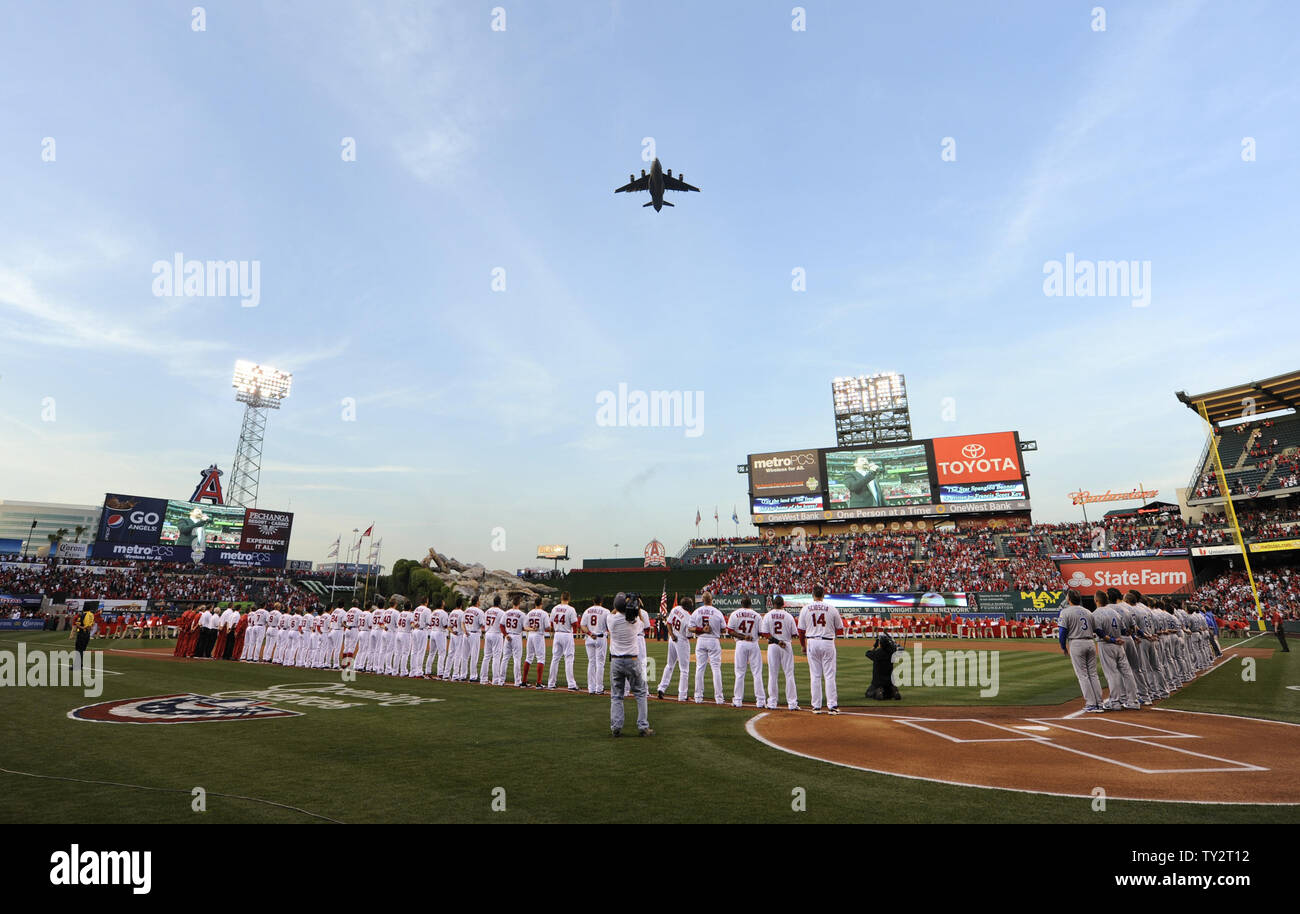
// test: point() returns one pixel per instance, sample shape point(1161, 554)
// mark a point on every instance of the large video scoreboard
point(962, 474)
point(159, 529)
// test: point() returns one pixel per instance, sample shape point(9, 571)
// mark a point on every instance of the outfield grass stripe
point(225, 796)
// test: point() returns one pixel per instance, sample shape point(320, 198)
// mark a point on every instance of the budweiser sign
point(1084, 497)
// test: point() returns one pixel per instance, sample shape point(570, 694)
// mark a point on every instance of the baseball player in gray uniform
point(1148, 641)
point(1109, 626)
point(1076, 635)
point(1128, 625)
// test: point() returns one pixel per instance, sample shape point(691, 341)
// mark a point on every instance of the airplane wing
point(639, 184)
point(671, 183)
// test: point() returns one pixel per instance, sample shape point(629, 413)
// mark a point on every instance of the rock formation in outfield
point(468, 580)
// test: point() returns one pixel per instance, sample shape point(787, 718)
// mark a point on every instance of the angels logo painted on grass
point(185, 708)
point(655, 554)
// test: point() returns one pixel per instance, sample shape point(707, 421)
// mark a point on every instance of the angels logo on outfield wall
point(185, 708)
point(655, 554)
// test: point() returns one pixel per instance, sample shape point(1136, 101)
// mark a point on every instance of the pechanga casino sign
point(266, 531)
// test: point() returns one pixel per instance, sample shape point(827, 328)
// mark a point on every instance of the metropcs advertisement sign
point(977, 458)
point(1159, 576)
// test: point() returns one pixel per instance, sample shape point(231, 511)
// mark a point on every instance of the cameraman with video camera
point(625, 623)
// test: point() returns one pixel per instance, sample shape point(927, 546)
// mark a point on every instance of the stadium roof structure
point(1242, 401)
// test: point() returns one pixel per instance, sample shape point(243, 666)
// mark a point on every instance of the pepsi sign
point(131, 519)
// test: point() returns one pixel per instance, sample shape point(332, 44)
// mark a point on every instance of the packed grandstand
point(967, 556)
point(1012, 558)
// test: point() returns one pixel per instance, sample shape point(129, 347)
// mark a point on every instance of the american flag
point(663, 600)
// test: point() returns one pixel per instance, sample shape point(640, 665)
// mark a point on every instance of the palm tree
point(56, 537)
point(80, 529)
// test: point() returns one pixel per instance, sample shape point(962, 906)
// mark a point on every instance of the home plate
point(1029, 727)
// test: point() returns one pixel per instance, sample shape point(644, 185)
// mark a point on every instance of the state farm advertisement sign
point(1157, 576)
point(977, 458)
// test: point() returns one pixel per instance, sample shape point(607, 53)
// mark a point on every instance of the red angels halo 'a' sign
point(655, 554)
point(209, 487)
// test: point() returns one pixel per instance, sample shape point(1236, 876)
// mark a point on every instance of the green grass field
point(552, 753)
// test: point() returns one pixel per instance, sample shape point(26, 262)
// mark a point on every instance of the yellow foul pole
point(1232, 513)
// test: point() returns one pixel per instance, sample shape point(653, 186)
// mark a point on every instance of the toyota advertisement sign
point(965, 459)
point(1156, 576)
point(131, 519)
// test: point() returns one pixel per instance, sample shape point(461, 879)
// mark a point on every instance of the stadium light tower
point(871, 409)
point(259, 388)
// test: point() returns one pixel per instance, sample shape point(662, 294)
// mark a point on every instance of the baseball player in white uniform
point(593, 624)
point(316, 639)
point(381, 638)
point(819, 624)
point(563, 618)
point(254, 634)
point(402, 643)
point(779, 628)
point(708, 623)
point(338, 619)
point(306, 622)
point(348, 647)
point(536, 624)
point(513, 621)
point(494, 643)
point(744, 625)
point(440, 626)
point(292, 635)
point(365, 636)
point(679, 649)
point(473, 642)
point(283, 627)
point(423, 616)
point(272, 633)
point(455, 637)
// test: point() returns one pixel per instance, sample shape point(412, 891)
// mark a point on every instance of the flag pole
point(366, 590)
point(336, 569)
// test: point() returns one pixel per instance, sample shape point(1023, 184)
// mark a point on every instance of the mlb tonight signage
point(1158, 576)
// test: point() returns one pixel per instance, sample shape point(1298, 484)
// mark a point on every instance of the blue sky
point(479, 149)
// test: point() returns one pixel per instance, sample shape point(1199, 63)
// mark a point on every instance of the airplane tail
point(651, 203)
point(666, 203)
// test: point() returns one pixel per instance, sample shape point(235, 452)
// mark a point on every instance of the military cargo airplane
point(656, 182)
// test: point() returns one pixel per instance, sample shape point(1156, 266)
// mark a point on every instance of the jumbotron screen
point(135, 527)
point(221, 525)
point(878, 477)
point(960, 474)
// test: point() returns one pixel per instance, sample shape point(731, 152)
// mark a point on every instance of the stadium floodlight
point(259, 385)
point(871, 409)
point(259, 388)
